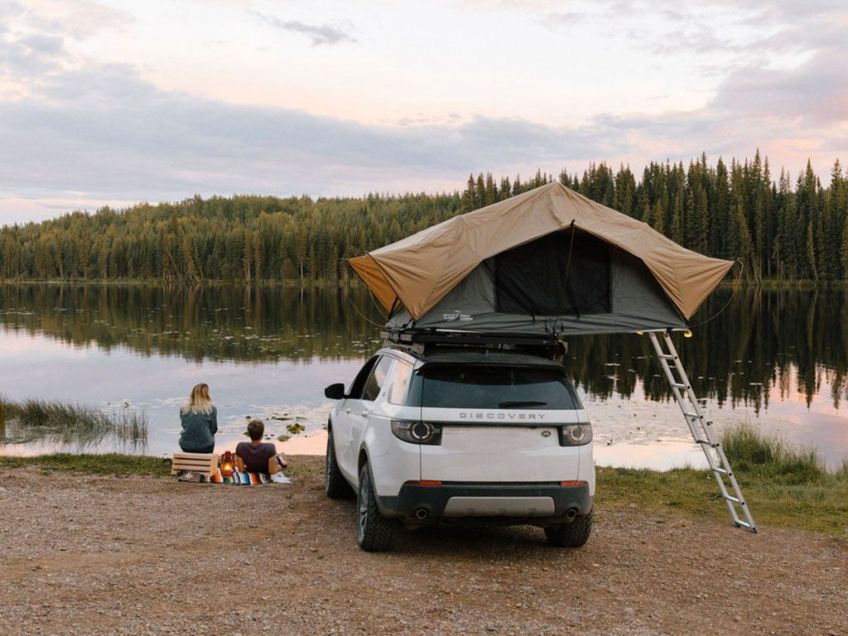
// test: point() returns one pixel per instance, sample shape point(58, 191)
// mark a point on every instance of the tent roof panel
point(421, 269)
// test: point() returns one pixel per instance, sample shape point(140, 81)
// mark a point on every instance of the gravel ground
point(88, 554)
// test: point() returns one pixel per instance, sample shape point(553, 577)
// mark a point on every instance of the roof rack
point(426, 340)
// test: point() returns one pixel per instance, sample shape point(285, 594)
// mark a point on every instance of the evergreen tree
point(676, 233)
point(811, 251)
point(505, 190)
point(468, 197)
point(746, 247)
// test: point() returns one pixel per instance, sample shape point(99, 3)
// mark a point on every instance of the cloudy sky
point(115, 102)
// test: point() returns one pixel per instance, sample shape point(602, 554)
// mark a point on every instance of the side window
point(400, 383)
point(377, 379)
point(355, 391)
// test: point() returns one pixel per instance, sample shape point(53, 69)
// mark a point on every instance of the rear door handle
point(347, 410)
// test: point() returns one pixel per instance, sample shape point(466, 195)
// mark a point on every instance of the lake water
point(776, 359)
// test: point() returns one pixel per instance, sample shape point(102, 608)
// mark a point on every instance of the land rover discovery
point(453, 435)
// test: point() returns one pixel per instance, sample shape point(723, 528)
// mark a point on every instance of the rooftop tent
point(548, 261)
point(551, 262)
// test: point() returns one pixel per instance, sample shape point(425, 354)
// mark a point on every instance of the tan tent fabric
point(368, 270)
point(419, 270)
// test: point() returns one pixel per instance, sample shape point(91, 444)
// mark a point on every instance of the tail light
point(417, 432)
point(575, 434)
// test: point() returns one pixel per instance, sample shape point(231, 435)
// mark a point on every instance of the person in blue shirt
point(199, 419)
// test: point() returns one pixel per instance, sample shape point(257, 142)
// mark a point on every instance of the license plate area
point(499, 507)
point(499, 454)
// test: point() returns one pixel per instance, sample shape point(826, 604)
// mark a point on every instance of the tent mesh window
point(539, 279)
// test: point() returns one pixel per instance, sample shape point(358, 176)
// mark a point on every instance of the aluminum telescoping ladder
point(701, 429)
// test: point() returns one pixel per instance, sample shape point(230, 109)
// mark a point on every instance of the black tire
point(374, 532)
point(335, 485)
point(570, 535)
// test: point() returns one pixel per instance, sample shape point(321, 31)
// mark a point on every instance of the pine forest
point(782, 229)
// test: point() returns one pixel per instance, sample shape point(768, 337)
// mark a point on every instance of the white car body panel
point(399, 464)
point(357, 413)
point(500, 445)
point(488, 446)
point(499, 454)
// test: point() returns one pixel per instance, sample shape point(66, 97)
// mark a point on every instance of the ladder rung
point(733, 499)
point(689, 414)
point(708, 442)
point(721, 471)
point(666, 356)
point(679, 385)
point(747, 526)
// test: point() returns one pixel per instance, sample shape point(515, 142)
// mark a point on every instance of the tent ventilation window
point(531, 278)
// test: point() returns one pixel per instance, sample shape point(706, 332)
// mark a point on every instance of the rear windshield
point(491, 387)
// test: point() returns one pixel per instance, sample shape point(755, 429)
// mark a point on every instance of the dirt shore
point(88, 554)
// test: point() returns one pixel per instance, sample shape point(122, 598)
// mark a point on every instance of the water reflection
point(777, 354)
point(250, 324)
point(14, 436)
point(764, 344)
point(72, 426)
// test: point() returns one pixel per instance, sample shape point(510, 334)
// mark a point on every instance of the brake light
point(426, 482)
point(573, 484)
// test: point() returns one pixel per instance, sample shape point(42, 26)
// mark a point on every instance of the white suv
point(499, 436)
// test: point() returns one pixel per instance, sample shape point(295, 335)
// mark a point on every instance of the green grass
point(122, 465)
point(750, 452)
point(305, 466)
point(783, 486)
point(108, 464)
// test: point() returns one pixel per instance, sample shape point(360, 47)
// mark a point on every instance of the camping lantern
point(228, 465)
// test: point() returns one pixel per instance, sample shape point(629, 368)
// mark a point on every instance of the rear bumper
point(546, 502)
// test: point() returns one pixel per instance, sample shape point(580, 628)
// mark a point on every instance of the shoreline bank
point(801, 501)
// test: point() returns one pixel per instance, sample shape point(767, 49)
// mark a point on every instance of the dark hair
point(255, 429)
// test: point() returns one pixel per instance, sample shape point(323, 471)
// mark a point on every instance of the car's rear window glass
point(491, 387)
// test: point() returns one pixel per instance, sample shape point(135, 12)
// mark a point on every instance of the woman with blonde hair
point(199, 418)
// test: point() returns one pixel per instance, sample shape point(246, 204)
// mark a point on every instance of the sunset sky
point(117, 102)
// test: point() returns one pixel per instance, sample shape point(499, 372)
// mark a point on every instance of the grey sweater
point(198, 430)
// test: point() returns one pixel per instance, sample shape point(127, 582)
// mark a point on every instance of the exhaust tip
point(421, 514)
point(571, 514)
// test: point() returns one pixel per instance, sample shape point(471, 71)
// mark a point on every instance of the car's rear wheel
point(335, 485)
point(374, 532)
point(570, 535)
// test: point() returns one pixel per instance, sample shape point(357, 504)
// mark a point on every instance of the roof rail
point(423, 340)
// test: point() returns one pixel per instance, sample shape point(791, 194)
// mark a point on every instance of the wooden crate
point(203, 463)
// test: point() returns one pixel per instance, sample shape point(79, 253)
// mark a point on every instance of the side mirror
point(335, 391)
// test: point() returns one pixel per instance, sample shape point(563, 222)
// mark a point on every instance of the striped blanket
point(237, 478)
point(241, 479)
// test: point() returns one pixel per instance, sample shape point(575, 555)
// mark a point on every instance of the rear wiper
point(518, 403)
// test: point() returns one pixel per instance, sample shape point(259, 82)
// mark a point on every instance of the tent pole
point(701, 429)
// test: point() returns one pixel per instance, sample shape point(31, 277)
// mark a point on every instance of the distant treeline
point(780, 229)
